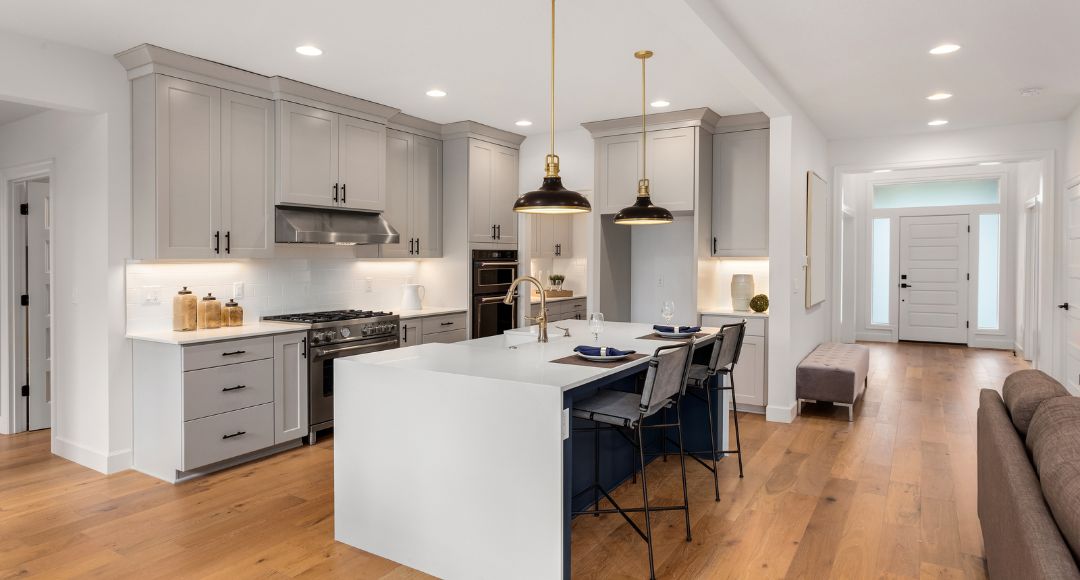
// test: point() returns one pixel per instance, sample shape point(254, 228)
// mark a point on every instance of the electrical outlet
point(237, 290)
point(369, 284)
point(660, 282)
point(152, 294)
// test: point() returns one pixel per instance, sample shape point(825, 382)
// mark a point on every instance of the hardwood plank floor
point(889, 496)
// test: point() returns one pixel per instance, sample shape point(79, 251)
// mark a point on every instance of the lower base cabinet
point(431, 329)
point(751, 371)
point(572, 309)
point(206, 406)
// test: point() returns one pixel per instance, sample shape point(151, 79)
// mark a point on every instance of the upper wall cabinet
point(330, 160)
point(673, 168)
point(413, 195)
point(552, 235)
point(202, 171)
point(740, 215)
point(493, 189)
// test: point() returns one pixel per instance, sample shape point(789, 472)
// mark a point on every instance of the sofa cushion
point(1024, 391)
point(1054, 441)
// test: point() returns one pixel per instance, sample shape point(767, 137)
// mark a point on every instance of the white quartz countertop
point(260, 328)
point(730, 312)
point(429, 311)
point(535, 298)
point(516, 356)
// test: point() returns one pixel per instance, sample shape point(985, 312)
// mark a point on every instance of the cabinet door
point(481, 169)
point(503, 195)
point(362, 163)
point(543, 244)
point(619, 168)
point(750, 372)
point(290, 387)
point(740, 215)
point(247, 175)
point(672, 167)
point(399, 211)
point(411, 335)
point(562, 235)
point(308, 146)
point(426, 161)
point(188, 169)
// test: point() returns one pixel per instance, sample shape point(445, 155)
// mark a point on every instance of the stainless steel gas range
point(332, 335)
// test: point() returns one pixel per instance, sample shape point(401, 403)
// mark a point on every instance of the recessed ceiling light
point(309, 50)
point(1031, 92)
point(660, 104)
point(990, 163)
point(436, 93)
point(945, 49)
point(938, 122)
point(939, 96)
point(883, 171)
point(523, 123)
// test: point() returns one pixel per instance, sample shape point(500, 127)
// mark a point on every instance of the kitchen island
point(457, 459)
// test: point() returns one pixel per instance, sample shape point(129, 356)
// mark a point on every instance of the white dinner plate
point(674, 334)
point(601, 358)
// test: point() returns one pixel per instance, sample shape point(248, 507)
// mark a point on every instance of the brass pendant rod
point(551, 100)
point(644, 136)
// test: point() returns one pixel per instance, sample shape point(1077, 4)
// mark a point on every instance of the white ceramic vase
point(742, 290)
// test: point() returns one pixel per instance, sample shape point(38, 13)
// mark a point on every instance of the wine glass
point(668, 311)
point(596, 325)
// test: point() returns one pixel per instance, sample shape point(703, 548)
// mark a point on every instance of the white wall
point(1072, 161)
point(93, 236)
point(662, 268)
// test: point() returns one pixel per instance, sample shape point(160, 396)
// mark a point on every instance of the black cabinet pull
point(417, 246)
point(217, 242)
point(1064, 306)
point(342, 193)
point(493, 231)
point(412, 246)
point(714, 245)
point(303, 347)
point(406, 333)
point(228, 242)
point(237, 434)
point(447, 324)
point(233, 353)
point(335, 193)
point(498, 232)
point(236, 388)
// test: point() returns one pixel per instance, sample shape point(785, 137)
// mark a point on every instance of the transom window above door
point(955, 192)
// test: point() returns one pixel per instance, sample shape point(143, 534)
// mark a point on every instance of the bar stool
point(623, 412)
point(722, 361)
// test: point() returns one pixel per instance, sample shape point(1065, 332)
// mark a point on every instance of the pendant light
point(643, 212)
point(552, 197)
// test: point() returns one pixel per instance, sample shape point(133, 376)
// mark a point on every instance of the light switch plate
point(152, 294)
point(237, 289)
point(369, 284)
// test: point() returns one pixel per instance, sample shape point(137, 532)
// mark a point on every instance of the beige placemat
point(577, 360)
point(654, 336)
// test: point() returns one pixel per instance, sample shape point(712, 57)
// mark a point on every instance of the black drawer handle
point(447, 324)
point(233, 353)
point(236, 388)
point(237, 434)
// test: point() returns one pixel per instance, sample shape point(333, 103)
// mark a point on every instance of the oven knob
point(319, 337)
point(345, 332)
point(365, 330)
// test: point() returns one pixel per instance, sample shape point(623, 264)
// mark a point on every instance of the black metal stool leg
point(712, 434)
point(735, 415)
point(645, 497)
point(596, 472)
point(682, 466)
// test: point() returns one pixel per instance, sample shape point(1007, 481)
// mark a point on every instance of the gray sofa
point(1029, 478)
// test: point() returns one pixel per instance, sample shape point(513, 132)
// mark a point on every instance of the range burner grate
point(328, 316)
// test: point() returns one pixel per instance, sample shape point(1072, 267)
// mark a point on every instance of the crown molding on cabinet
point(415, 125)
point(463, 129)
point(701, 117)
point(743, 122)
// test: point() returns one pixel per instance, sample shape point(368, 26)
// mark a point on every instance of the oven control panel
point(350, 332)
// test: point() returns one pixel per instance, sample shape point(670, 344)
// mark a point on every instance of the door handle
point(714, 245)
point(905, 285)
point(493, 231)
point(1064, 306)
point(303, 347)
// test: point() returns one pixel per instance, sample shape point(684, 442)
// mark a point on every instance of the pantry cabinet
point(330, 160)
point(674, 168)
point(552, 236)
point(202, 171)
point(493, 189)
point(740, 208)
point(413, 195)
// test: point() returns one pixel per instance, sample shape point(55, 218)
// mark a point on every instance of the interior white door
point(1071, 306)
point(934, 278)
point(39, 316)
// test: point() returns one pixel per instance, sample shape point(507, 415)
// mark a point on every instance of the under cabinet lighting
point(938, 122)
point(883, 171)
point(945, 49)
point(990, 163)
point(436, 93)
point(309, 50)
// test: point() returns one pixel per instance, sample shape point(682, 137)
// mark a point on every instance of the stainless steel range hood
point(319, 225)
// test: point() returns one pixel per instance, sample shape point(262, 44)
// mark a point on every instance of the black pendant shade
point(552, 198)
point(643, 212)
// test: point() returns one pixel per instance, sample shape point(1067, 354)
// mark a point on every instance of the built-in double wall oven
point(493, 272)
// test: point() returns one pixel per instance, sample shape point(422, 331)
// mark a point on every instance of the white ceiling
point(860, 67)
point(491, 56)
point(11, 112)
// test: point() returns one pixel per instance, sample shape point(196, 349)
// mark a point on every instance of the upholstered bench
point(834, 373)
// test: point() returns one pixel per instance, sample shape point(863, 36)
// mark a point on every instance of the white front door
point(1072, 288)
point(934, 278)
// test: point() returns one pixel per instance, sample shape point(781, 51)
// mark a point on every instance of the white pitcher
point(412, 296)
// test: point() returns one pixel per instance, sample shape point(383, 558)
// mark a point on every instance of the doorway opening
point(31, 286)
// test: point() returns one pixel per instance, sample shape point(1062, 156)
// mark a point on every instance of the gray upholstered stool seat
point(610, 407)
point(835, 373)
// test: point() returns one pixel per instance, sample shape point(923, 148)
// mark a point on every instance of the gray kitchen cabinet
point(740, 214)
point(413, 195)
point(202, 167)
point(552, 235)
point(751, 382)
point(411, 335)
point(673, 167)
point(566, 309)
point(431, 329)
point(330, 160)
point(290, 387)
point(493, 188)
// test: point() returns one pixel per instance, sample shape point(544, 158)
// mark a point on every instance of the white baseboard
point(780, 413)
point(119, 461)
point(96, 460)
point(991, 342)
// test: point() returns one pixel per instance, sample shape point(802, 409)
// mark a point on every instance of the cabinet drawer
point(219, 437)
point(448, 336)
point(433, 324)
point(228, 388)
point(754, 326)
point(214, 354)
point(575, 306)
